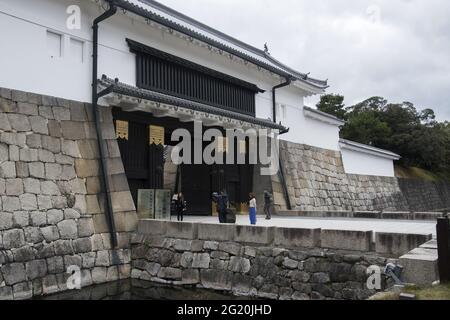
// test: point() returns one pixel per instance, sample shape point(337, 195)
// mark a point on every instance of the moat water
point(140, 290)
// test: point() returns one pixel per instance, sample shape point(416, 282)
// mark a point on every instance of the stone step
point(420, 266)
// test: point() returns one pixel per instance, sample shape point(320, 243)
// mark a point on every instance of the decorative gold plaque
point(222, 144)
point(122, 129)
point(157, 135)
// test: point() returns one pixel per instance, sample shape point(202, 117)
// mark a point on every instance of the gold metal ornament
point(122, 129)
point(157, 135)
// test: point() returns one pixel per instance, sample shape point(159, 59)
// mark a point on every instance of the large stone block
point(22, 169)
point(50, 233)
point(6, 221)
point(7, 105)
point(122, 201)
point(420, 267)
point(26, 108)
point(54, 128)
point(14, 187)
point(254, 235)
point(4, 152)
point(53, 171)
point(347, 240)
point(39, 125)
point(10, 204)
point(292, 238)
point(14, 238)
point(397, 215)
point(19, 122)
point(216, 279)
point(73, 130)
point(126, 221)
point(77, 111)
point(13, 273)
point(399, 244)
point(182, 230)
point(87, 168)
point(68, 229)
point(49, 188)
point(99, 275)
point(36, 170)
point(36, 269)
point(32, 186)
point(152, 227)
point(7, 169)
point(216, 232)
point(28, 202)
point(49, 284)
point(85, 227)
point(54, 216)
point(88, 149)
point(51, 144)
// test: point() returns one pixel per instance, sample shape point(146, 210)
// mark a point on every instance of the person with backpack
point(222, 205)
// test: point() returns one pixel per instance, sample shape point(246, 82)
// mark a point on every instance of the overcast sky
point(398, 49)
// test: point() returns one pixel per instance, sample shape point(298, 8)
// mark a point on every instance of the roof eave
point(128, 6)
point(359, 147)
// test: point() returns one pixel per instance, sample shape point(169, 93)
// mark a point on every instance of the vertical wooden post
point(443, 239)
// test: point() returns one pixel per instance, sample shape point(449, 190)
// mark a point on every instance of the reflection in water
point(139, 290)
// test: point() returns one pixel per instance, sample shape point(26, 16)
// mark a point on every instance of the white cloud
point(398, 49)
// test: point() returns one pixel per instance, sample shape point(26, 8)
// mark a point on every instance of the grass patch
point(441, 292)
point(416, 173)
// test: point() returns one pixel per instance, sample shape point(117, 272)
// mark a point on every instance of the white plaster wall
point(26, 65)
point(365, 164)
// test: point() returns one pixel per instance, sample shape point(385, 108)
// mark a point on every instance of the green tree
point(366, 127)
point(332, 104)
point(401, 128)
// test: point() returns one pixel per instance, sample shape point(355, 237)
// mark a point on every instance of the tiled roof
point(347, 144)
point(168, 17)
point(128, 90)
point(325, 115)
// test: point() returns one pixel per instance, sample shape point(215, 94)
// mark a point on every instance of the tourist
point(267, 204)
point(180, 207)
point(221, 201)
point(252, 207)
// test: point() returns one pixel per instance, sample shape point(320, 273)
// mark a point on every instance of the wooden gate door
point(196, 187)
point(144, 164)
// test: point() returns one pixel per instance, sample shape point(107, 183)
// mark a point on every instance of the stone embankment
point(274, 263)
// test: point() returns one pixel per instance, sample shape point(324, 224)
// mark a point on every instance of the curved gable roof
point(175, 20)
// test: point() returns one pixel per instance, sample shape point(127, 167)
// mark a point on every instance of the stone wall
point(52, 213)
point(255, 261)
point(426, 195)
point(317, 181)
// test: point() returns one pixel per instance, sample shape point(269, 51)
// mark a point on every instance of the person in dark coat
point(267, 205)
point(180, 207)
point(222, 204)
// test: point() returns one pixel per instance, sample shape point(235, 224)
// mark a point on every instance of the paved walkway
point(353, 224)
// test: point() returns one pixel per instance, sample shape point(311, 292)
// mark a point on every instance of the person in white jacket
point(253, 209)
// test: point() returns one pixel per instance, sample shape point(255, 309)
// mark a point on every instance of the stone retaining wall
point(317, 181)
point(274, 263)
point(51, 209)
